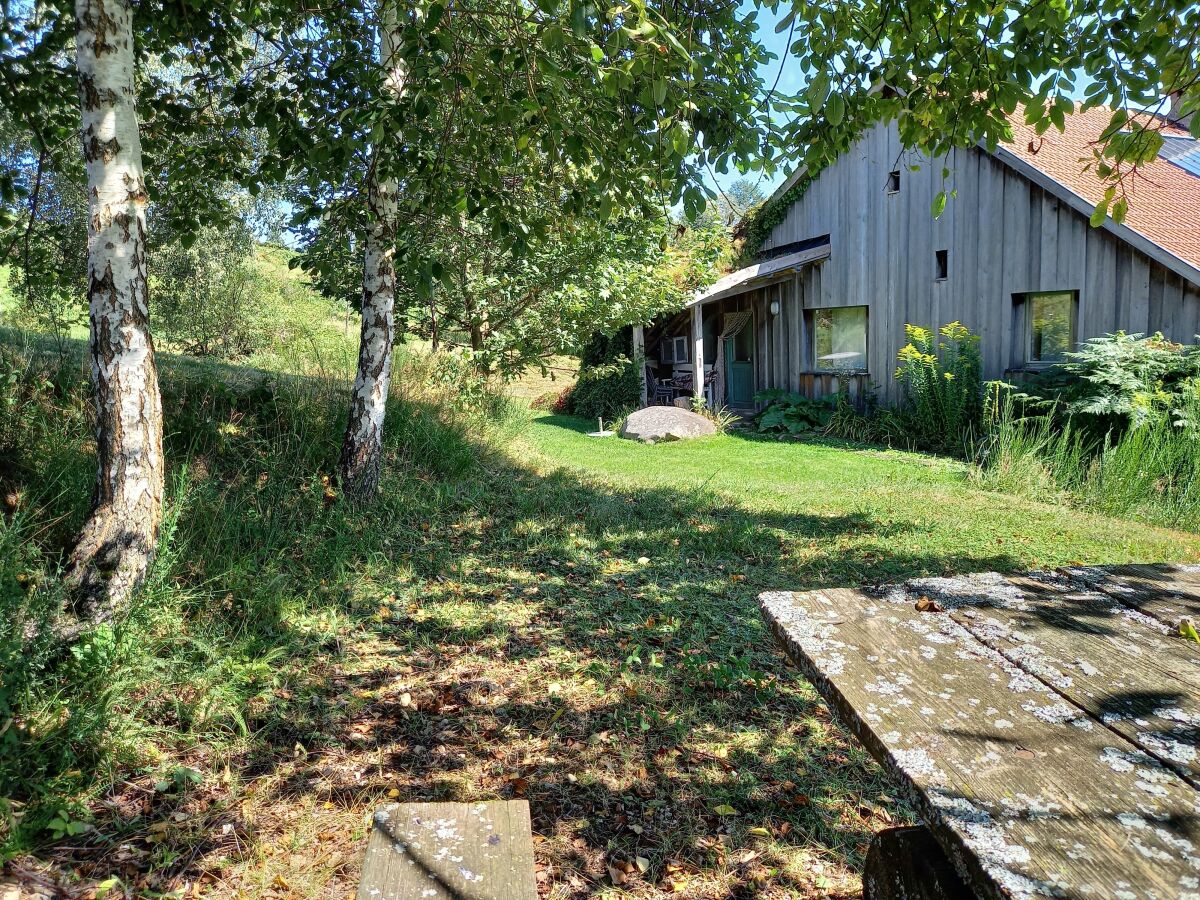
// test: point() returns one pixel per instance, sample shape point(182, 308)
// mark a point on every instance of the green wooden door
point(739, 368)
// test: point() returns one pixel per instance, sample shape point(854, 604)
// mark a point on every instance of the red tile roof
point(1164, 199)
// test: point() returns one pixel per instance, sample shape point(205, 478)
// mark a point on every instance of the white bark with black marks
point(117, 543)
point(362, 447)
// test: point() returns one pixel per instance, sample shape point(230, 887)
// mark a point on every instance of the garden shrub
point(1125, 380)
point(942, 386)
point(788, 413)
point(609, 391)
point(609, 384)
point(209, 297)
point(607, 348)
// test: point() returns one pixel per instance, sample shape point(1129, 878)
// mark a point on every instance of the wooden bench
point(1046, 726)
point(438, 851)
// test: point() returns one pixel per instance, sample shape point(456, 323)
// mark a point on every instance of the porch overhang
point(757, 275)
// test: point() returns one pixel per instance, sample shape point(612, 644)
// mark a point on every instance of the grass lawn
point(834, 514)
point(526, 612)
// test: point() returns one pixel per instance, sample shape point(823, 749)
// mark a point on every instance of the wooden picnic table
point(1045, 725)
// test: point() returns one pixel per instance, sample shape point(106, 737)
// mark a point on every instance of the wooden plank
point(775, 324)
point(1014, 266)
point(450, 851)
point(1189, 328)
point(1024, 804)
point(1048, 276)
point(1168, 593)
point(795, 332)
point(1139, 294)
point(1119, 665)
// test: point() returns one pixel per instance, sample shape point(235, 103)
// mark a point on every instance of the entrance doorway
point(739, 368)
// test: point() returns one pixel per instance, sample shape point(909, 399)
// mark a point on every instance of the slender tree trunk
point(362, 446)
point(118, 541)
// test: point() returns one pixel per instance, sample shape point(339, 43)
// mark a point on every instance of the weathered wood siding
point(1005, 236)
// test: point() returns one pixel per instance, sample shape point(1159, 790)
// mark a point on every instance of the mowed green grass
point(846, 515)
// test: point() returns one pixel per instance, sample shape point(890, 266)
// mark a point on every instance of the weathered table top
point(450, 851)
point(1046, 724)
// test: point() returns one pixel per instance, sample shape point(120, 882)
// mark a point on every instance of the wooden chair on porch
point(659, 393)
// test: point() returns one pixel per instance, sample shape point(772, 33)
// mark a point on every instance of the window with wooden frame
point(1050, 323)
point(839, 338)
point(674, 349)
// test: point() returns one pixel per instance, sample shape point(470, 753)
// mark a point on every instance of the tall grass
point(239, 603)
point(1149, 472)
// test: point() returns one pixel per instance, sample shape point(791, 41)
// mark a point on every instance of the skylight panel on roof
point(1189, 161)
point(1177, 145)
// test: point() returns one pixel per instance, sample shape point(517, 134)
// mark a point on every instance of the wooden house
point(1013, 257)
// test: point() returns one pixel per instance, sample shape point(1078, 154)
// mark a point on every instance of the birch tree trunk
point(362, 446)
point(117, 543)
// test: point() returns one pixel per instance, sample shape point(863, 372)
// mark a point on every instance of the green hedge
point(610, 391)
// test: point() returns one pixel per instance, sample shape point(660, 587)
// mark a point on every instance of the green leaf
point(680, 140)
point(1188, 630)
point(725, 810)
point(939, 204)
point(818, 90)
point(835, 109)
point(659, 91)
point(1115, 124)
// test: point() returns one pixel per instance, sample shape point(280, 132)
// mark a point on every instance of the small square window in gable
point(893, 182)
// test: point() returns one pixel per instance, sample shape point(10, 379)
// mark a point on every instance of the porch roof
point(760, 273)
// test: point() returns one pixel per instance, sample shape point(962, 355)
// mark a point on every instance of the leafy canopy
point(619, 105)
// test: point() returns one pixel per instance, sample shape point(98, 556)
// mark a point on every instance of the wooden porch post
point(639, 358)
point(698, 355)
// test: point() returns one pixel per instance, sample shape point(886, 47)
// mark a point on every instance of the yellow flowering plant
point(943, 386)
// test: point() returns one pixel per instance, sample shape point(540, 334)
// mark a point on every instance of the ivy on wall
point(756, 228)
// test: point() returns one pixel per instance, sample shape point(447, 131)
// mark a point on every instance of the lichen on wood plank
point(1028, 799)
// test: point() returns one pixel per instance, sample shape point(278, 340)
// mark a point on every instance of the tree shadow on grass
point(483, 631)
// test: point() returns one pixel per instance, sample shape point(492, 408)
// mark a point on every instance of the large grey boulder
point(665, 423)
